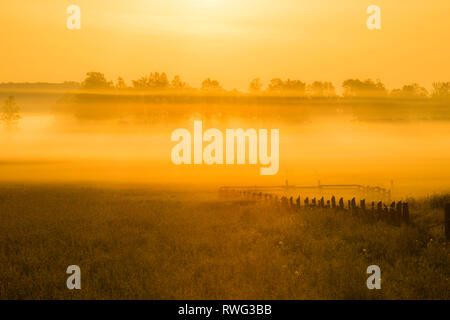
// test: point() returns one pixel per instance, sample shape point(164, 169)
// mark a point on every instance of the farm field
point(188, 150)
point(156, 242)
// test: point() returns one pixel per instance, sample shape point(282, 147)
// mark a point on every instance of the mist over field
point(104, 106)
point(127, 139)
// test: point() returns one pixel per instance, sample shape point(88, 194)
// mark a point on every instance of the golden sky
point(230, 40)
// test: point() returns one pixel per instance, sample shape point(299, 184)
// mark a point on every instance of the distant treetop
point(96, 81)
point(366, 88)
point(352, 88)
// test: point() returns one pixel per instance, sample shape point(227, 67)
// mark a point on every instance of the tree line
point(156, 81)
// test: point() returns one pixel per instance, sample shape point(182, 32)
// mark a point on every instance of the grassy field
point(144, 243)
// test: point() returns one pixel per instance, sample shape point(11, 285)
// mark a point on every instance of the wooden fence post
point(284, 202)
point(379, 206)
point(373, 210)
point(447, 222)
point(392, 213)
point(341, 203)
point(399, 212)
point(405, 213)
point(354, 208)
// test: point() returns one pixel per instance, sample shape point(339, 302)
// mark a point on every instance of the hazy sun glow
point(230, 40)
point(206, 3)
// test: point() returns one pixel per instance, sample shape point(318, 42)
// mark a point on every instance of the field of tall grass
point(166, 243)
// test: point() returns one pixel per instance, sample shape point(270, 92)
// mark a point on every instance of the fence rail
point(381, 192)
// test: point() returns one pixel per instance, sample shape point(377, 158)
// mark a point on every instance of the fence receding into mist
point(396, 213)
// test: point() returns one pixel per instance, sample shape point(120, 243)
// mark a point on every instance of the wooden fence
point(396, 213)
point(447, 222)
point(374, 192)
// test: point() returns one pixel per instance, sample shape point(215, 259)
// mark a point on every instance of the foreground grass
point(148, 244)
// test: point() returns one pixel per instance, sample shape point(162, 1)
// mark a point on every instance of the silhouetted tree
point(319, 89)
point(10, 113)
point(209, 85)
point(289, 86)
point(96, 81)
point(295, 86)
point(255, 86)
point(275, 85)
point(178, 84)
point(410, 91)
point(367, 88)
point(441, 90)
point(155, 81)
point(121, 83)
